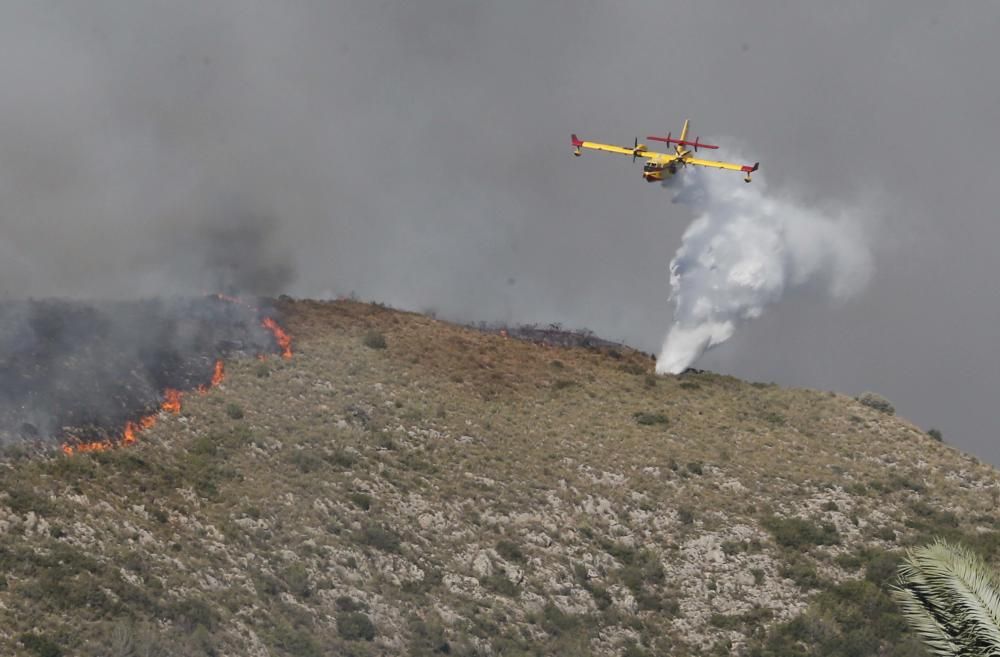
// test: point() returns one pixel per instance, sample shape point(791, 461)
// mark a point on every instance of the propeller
point(635, 149)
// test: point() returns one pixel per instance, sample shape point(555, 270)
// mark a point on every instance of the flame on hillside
point(171, 401)
point(281, 336)
point(172, 397)
point(218, 374)
point(283, 339)
point(130, 434)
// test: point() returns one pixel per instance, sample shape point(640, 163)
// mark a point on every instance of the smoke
point(85, 368)
point(744, 252)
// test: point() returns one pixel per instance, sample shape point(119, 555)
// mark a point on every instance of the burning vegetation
point(93, 376)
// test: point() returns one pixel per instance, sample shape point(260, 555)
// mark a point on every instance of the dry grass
point(460, 487)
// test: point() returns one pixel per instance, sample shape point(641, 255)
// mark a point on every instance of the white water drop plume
point(743, 252)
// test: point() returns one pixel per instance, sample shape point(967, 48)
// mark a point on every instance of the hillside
point(406, 486)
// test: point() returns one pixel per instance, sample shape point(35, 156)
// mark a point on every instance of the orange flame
point(280, 335)
point(219, 374)
point(130, 434)
point(132, 428)
point(78, 448)
point(283, 339)
point(172, 398)
point(217, 377)
point(171, 401)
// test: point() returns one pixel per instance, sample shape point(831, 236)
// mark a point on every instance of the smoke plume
point(744, 251)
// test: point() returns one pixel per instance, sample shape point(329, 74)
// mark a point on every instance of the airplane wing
point(723, 165)
point(639, 151)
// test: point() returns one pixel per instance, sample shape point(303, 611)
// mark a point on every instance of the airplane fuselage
point(656, 171)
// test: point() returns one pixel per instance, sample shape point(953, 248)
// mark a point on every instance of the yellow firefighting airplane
point(661, 165)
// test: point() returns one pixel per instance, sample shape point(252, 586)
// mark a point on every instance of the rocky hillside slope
point(406, 486)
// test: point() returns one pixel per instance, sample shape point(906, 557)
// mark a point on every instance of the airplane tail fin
point(684, 131)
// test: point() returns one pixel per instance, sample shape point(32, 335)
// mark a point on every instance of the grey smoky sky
point(417, 153)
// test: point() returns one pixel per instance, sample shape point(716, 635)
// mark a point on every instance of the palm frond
point(951, 599)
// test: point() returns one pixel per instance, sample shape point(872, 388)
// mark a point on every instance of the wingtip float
point(661, 165)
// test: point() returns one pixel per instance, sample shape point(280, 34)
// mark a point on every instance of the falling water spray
point(742, 253)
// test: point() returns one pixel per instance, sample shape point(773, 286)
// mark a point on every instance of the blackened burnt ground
point(85, 368)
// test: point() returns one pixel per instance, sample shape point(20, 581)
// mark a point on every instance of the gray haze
point(417, 152)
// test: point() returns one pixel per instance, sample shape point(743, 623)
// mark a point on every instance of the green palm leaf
point(951, 599)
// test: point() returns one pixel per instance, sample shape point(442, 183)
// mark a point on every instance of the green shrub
point(774, 418)
point(882, 568)
point(21, 498)
point(347, 603)
point(879, 403)
point(355, 626)
point(374, 340)
point(935, 434)
point(297, 580)
point(381, 538)
point(866, 614)
point(234, 411)
point(342, 459)
point(306, 461)
point(885, 534)
point(427, 637)
point(633, 369)
point(205, 446)
point(634, 650)
point(649, 419)
point(602, 598)
point(802, 572)
point(510, 551)
point(295, 641)
point(556, 622)
point(500, 583)
point(361, 500)
point(726, 621)
point(40, 645)
point(191, 613)
point(798, 534)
